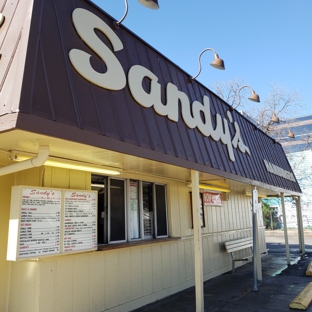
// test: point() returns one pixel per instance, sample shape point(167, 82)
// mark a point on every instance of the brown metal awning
point(52, 99)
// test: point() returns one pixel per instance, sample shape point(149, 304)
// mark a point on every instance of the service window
point(130, 209)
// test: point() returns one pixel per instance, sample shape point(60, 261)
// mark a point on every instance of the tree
point(280, 102)
point(284, 104)
point(266, 213)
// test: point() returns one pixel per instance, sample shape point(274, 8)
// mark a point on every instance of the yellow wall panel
point(119, 279)
point(14, 287)
point(209, 219)
point(47, 282)
point(5, 195)
point(80, 180)
point(181, 262)
point(188, 259)
point(185, 210)
point(223, 218)
point(205, 255)
point(157, 267)
point(136, 273)
point(47, 177)
point(64, 285)
point(60, 178)
point(81, 283)
point(97, 281)
point(147, 270)
point(66, 178)
point(174, 264)
point(28, 285)
point(111, 279)
point(30, 177)
point(174, 210)
point(166, 265)
point(124, 276)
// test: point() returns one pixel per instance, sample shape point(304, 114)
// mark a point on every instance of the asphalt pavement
point(235, 291)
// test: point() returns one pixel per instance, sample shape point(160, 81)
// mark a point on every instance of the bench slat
point(238, 244)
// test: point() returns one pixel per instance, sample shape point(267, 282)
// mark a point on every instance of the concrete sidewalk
point(234, 292)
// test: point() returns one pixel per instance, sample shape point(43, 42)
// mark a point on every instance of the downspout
point(39, 160)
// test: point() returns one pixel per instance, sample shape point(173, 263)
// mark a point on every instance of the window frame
point(127, 207)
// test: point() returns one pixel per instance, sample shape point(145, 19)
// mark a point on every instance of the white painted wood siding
point(127, 278)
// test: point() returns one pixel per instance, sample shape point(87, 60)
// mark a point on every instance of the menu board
point(40, 222)
point(80, 221)
point(50, 222)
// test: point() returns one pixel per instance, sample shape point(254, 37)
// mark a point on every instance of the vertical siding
point(146, 270)
point(124, 279)
point(63, 286)
point(47, 273)
point(66, 178)
point(81, 283)
point(97, 288)
point(5, 195)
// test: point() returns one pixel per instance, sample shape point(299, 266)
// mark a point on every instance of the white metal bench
point(241, 244)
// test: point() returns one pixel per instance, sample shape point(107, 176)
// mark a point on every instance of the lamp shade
point(254, 97)
point(274, 118)
point(217, 62)
point(2, 18)
point(151, 4)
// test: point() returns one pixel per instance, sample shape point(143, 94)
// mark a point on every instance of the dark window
point(161, 210)
point(143, 214)
point(117, 213)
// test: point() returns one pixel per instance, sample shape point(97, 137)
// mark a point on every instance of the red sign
point(212, 198)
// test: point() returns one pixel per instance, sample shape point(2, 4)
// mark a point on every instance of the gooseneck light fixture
point(291, 135)
point(151, 4)
point(216, 63)
point(2, 18)
point(274, 120)
point(253, 97)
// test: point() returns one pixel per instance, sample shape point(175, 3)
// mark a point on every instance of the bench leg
point(233, 263)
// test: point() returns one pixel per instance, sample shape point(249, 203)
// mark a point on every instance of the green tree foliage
point(266, 213)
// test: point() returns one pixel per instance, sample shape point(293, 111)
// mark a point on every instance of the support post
point(198, 251)
point(300, 226)
point(259, 260)
point(254, 235)
point(285, 229)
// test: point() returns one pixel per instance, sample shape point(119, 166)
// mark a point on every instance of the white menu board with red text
point(47, 221)
point(79, 221)
point(40, 222)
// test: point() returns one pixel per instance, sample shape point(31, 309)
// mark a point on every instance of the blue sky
point(261, 41)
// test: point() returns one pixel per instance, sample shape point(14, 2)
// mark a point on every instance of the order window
point(130, 210)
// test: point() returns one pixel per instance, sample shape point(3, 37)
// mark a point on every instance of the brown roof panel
point(53, 90)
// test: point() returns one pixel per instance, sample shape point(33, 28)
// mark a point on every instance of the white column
point(259, 260)
point(285, 229)
point(198, 250)
point(255, 244)
point(300, 226)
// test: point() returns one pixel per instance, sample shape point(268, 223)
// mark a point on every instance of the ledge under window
point(138, 243)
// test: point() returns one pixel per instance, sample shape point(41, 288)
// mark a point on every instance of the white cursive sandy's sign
point(195, 115)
